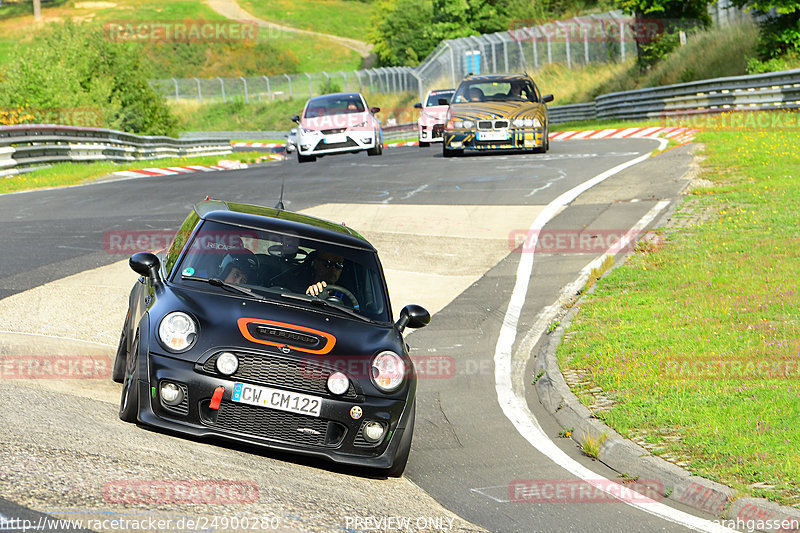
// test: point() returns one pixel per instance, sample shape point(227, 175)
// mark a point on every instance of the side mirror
point(146, 264)
point(296, 118)
point(443, 101)
point(418, 105)
point(374, 110)
point(547, 98)
point(413, 316)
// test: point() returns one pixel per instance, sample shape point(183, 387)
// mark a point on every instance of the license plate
point(335, 138)
point(493, 135)
point(281, 400)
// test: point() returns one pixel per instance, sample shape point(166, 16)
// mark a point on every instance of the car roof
point(323, 96)
point(281, 221)
point(497, 77)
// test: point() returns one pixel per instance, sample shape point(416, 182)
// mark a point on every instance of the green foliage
point(209, 60)
point(72, 66)
point(406, 31)
point(401, 33)
point(675, 15)
point(16, 8)
point(780, 32)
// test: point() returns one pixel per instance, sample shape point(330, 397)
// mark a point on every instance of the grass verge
point(336, 17)
point(697, 343)
point(64, 174)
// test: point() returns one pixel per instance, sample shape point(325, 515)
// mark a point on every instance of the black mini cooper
point(272, 328)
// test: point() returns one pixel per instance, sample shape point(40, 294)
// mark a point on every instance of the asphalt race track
point(448, 232)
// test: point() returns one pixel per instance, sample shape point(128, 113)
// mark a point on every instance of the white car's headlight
point(308, 131)
point(177, 331)
point(388, 371)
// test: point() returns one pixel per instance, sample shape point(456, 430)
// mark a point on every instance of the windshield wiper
point(322, 303)
point(216, 282)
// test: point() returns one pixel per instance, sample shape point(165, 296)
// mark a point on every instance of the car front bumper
point(334, 435)
point(516, 139)
point(353, 141)
point(431, 134)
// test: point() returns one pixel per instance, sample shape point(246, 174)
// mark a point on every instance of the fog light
point(227, 363)
point(373, 431)
point(457, 144)
point(171, 394)
point(338, 383)
point(366, 140)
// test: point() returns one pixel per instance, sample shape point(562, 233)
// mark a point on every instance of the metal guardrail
point(773, 90)
point(32, 145)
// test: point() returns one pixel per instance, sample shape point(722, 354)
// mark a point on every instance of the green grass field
point(686, 340)
point(336, 17)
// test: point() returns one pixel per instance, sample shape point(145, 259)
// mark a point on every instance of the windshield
point(274, 264)
point(433, 98)
point(497, 90)
point(342, 104)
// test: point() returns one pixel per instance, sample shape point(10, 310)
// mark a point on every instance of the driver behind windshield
point(326, 270)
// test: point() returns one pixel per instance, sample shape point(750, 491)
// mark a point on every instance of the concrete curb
point(632, 461)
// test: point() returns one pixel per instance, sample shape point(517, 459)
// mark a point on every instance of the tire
point(400, 460)
point(378, 150)
point(305, 158)
point(424, 144)
point(446, 152)
point(118, 371)
point(129, 401)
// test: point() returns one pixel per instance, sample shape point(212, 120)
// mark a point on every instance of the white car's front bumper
point(348, 141)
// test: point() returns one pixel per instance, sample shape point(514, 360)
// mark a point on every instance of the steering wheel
point(325, 293)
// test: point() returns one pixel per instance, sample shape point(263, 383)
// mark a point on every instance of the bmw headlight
point(528, 122)
point(468, 124)
point(518, 122)
point(177, 331)
point(537, 123)
point(388, 371)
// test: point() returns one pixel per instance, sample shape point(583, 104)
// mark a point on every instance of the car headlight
point(308, 131)
point(537, 123)
point(527, 122)
point(177, 331)
point(388, 371)
point(518, 122)
point(227, 363)
point(338, 383)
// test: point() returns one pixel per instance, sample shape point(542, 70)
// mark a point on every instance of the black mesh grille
point(438, 131)
point(484, 124)
point(278, 425)
point(349, 143)
point(284, 335)
point(272, 371)
point(500, 124)
point(335, 130)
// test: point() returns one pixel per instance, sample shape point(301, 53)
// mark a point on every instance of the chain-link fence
point(265, 88)
point(598, 38)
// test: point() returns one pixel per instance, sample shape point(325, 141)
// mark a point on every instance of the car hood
point(491, 110)
point(230, 321)
point(334, 122)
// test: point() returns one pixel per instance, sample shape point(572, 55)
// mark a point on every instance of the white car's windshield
point(334, 105)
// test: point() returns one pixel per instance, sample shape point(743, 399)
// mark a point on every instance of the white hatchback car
point(337, 123)
point(432, 116)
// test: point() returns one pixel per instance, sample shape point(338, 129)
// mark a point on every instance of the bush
point(74, 67)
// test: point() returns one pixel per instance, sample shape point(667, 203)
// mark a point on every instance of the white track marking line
point(515, 407)
point(415, 191)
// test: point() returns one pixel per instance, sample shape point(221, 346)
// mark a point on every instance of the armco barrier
point(773, 90)
point(32, 145)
